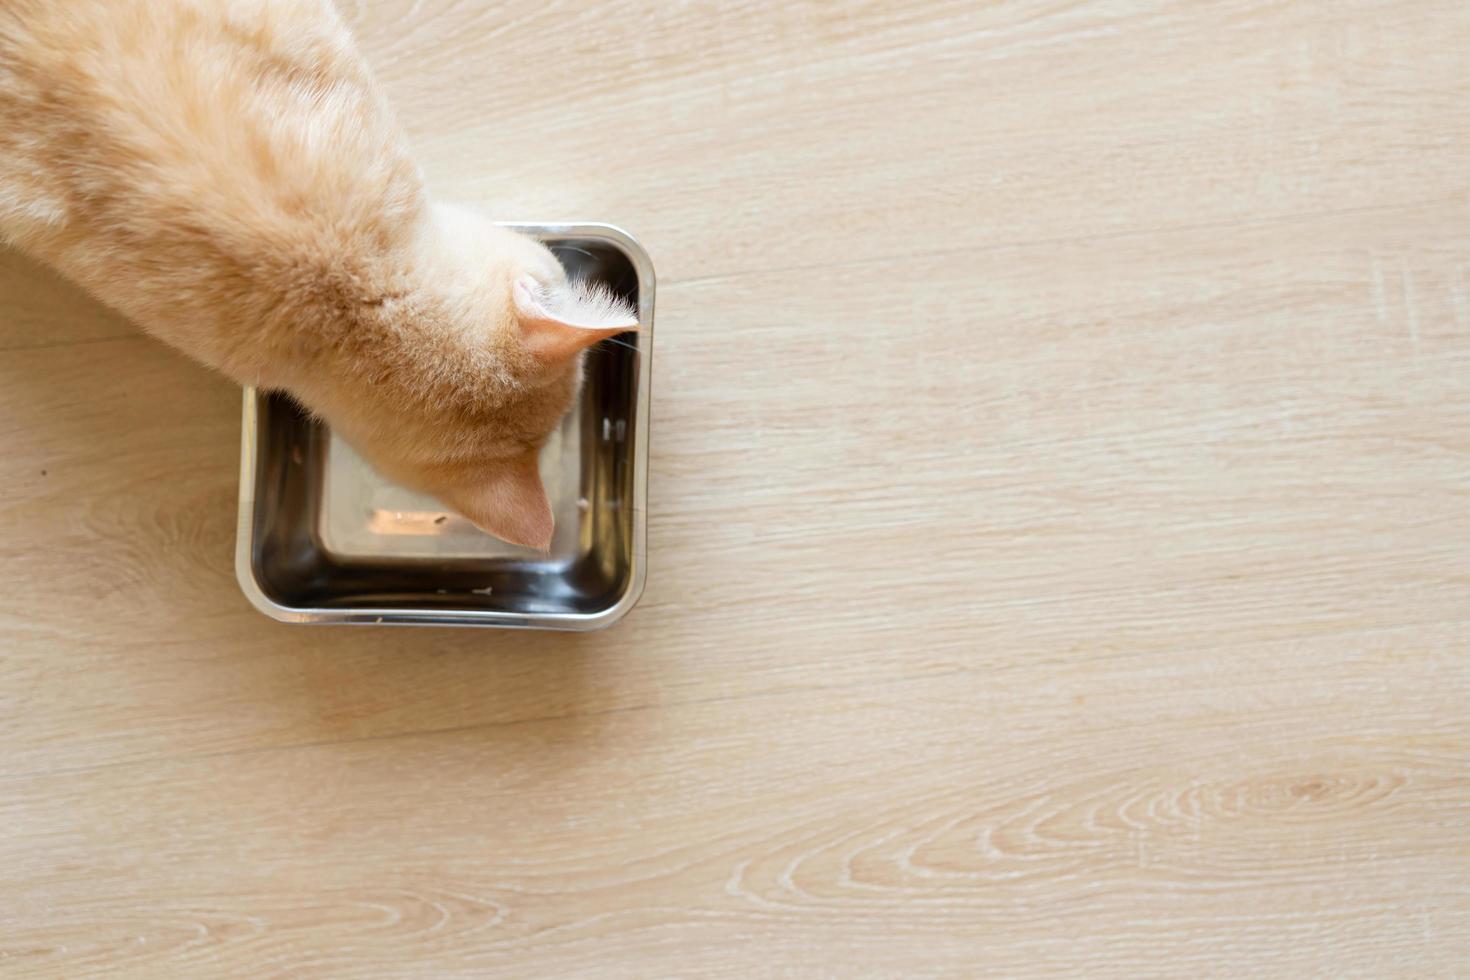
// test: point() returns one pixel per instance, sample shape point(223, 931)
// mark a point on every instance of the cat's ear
point(557, 327)
point(507, 501)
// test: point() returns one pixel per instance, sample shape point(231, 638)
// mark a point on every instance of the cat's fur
point(226, 174)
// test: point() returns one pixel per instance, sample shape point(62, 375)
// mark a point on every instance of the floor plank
point(1188, 819)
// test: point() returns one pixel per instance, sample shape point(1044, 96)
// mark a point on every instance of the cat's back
point(152, 115)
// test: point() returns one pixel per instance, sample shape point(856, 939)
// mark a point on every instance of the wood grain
point(1060, 531)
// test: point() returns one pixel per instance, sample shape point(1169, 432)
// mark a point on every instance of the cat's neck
point(421, 317)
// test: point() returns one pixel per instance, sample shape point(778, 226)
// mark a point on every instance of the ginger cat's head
point(470, 364)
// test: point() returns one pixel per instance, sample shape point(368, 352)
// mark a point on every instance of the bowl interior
point(327, 533)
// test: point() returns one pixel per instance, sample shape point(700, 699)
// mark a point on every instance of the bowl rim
point(566, 622)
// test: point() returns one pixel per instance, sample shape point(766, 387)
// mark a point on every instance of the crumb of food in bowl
point(441, 518)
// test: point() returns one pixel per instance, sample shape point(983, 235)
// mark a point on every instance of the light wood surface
point(1060, 531)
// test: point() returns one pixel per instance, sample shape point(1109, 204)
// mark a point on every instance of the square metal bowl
point(324, 539)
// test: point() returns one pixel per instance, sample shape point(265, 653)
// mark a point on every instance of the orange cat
point(226, 174)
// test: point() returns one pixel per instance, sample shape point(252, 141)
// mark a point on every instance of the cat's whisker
point(623, 343)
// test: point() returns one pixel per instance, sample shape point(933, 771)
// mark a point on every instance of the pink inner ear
point(552, 337)
point(525, 297)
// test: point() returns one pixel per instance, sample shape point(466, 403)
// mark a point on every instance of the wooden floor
point(1060, 537)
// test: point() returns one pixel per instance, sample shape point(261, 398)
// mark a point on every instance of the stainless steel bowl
point(324, 539)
